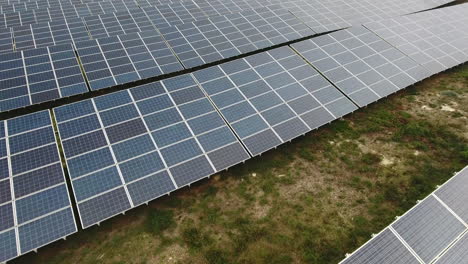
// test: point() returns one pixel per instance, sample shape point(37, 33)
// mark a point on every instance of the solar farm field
point(310, 201)
point(233, 131)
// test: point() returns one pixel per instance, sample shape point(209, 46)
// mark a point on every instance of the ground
point(309, 201)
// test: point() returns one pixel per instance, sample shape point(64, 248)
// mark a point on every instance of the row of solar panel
point(162, 136)
point(35, 206)
point(423, 234)
point(76, 29)
point(321, 16)
point(129, 58)
point(267, 99)
point(156, 138)
point(110, 61)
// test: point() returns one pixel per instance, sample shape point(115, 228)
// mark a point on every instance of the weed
point(216, 256)
point(157, 221)
point(195, 239)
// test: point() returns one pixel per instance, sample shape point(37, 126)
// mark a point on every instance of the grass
point(309, 201)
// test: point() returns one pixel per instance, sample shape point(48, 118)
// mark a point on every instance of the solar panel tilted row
point(433, 231)
point(35, 207)
point(362, 65)
point(435, 39)
point(159, 137)
point(272, 97)
point(130, 147)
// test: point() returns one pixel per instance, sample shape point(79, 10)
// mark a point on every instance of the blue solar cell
point(89, 162)
point(31, 140)
point(79, 126)
point(162, 119)
point(96, 183)
point(196, 108)
point(154, 104)
point(139, 167)
point(99, 208)
point(45, 230)
point(133, 147)
point(119, 114)
point(216, 138)
point(172, 134)
point(4, 170)
point(3, 149)
point(41, 203)
point(147, 90)
point(181, 151)
point(28, 122)
point(8, 247)
point(191, 171)
point(125, 130)
point(73, 111)
point(150, 188)
point(36, 180)
point(84, 143)
point(33, 159)
point(6, 217)
point(249, 126)
point(205, 123)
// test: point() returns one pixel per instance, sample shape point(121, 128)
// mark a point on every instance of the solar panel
point(429, 228)
point(206, 41)
point(35, 206)
point(272, 97)
point(317, 15)
point(125, 58)
point(49, 33)
point(6, 40)
point(385, 248)
point(435, 39)
point(14, 89)
point(130, 147)
point(119, 23)
point(458, 253)
point(360, 64)
point(39, 75)
point(433, 231)
point(454, 194)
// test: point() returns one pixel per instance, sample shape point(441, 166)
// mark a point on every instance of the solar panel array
point(196, 31)
point(433, 231)
point(435, 39)
point(39, 75)
point(35, 207)
point(130, 147)
point(127, 148)
point(272, 97)
point(360, 64)
point(122, 59)
point(222, 37)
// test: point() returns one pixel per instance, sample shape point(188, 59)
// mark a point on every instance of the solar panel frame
point(361, 64)
point(40, 206)
point(133, 139)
